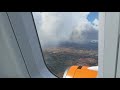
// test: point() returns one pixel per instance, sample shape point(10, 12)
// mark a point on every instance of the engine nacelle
point(81, 72)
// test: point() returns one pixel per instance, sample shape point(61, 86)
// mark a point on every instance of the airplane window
point(67, 39)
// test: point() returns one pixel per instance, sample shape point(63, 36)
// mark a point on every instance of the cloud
point(95, 24)
point(84, 32)
point(54, 27)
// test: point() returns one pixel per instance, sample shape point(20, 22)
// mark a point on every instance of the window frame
point(11, 61)
point(111, 44)
point(101, 43)
point(25, 31)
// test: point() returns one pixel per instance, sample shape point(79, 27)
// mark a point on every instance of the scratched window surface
point(68, 38)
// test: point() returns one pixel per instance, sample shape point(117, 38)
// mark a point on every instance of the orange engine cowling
point(80, 72)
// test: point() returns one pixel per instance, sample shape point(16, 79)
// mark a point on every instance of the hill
point(58, 59)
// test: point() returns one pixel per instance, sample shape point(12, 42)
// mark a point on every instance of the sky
point(56, 27)
point(92, 16)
